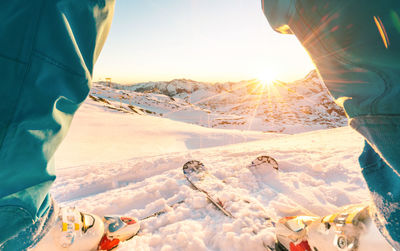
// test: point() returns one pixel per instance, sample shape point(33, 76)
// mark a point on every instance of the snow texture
point(128, 160)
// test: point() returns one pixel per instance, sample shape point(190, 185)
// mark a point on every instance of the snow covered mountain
point(300, 106)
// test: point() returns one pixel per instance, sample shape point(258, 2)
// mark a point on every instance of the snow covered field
point(121, 163)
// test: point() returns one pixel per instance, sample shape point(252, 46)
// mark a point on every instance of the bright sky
point(203, 40)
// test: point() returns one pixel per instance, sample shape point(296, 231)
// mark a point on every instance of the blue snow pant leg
point(382, 181)
point(380, 163)
point(355, 45)
point(47, 52)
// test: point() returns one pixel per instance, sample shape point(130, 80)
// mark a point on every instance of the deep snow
point(122, 163)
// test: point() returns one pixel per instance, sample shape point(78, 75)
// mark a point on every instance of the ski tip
point(265, 161)
point(193, 166)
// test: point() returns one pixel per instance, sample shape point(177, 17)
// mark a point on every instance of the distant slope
point(100, 134)
point(300, 106)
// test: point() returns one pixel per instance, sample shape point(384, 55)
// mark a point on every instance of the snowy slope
point(101, 134)
point(300, 106)
point(115, 162)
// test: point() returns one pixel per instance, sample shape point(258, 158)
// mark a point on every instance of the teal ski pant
point(47, 52)
point(355, 45)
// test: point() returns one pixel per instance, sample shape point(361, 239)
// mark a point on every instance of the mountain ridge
point(300, 106)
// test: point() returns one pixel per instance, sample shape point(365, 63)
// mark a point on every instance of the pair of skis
point(200, 179)
point(197, 174)
point(344, 230)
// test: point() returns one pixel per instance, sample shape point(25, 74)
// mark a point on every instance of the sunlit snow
point(129, 161)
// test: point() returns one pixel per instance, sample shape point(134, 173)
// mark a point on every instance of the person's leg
point(384, 185)
point(47, 52)
point(355, 46)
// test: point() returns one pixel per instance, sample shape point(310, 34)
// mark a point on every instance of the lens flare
point(266, 79)
point(382, 31)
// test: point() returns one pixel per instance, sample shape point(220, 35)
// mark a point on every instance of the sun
point(266, 79)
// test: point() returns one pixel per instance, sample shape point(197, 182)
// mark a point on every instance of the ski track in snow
point(319, 172)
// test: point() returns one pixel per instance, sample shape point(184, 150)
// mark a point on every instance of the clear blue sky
point(204, 40)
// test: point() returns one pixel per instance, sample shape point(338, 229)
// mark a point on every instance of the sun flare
point(266, 79)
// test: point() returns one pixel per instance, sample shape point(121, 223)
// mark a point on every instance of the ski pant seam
point(7, 207)
point(16, 60)
point(54, 62)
